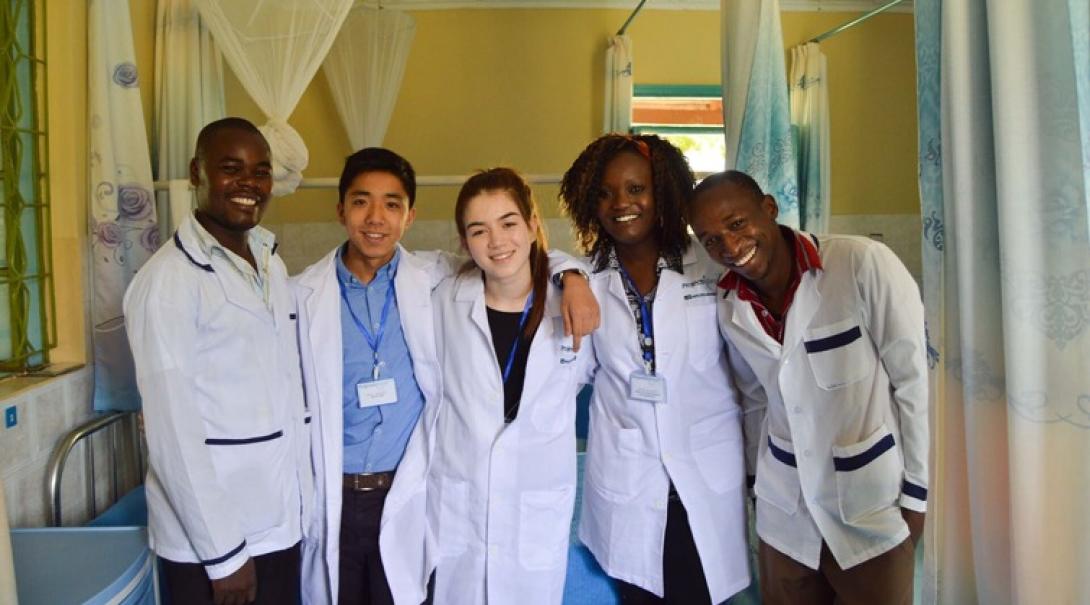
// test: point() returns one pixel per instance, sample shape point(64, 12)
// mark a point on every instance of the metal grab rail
point(64, 447)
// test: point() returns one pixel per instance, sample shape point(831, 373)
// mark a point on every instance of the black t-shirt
point(505, 329)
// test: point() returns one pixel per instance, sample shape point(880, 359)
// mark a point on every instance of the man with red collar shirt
point(826, 338)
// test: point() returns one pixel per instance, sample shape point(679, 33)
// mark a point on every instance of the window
point(26, 292)
point(689, 116)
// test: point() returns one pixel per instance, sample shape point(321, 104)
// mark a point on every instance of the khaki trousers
point(885, 579)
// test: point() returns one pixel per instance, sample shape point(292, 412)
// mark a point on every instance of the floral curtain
point(122, 212)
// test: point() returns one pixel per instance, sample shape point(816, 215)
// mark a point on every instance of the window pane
point(706, 152)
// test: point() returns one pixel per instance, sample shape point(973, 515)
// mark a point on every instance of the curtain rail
point(856, 21)
point(421, 181)
point(620, 32)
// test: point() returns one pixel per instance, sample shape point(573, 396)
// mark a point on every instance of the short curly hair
point(672, 184)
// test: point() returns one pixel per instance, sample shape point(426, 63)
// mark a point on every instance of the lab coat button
point(806, 453)
point(798, 409)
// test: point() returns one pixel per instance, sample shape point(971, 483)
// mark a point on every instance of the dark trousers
point(277, 580)
point(362, 578)
point(683, 575)
point(885, 579)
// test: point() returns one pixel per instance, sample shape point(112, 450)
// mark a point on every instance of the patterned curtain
point(1004, 113)
point(122, 213)
point(756, 111)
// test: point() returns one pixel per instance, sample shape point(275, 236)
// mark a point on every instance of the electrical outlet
point(11, 416)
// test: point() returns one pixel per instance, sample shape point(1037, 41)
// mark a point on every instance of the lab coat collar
point(803, 306)
point(470, 288)
point(197, 244)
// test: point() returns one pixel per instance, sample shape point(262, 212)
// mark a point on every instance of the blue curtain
point(757, 113)
point(1004, 140)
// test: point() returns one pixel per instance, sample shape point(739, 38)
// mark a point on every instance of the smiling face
point(498, 237)
point(375, 212)
point(739, 230)
point(626, 203)
point(233, 179)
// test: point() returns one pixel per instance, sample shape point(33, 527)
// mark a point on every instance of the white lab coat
point(402, 534)
point(851, 373)
point(218, 372)
point(319, 303)
point(500, 497)
point(694, 439)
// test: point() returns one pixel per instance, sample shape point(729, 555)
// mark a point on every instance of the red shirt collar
point(807, 258)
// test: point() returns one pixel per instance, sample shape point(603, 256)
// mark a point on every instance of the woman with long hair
point(502, 472)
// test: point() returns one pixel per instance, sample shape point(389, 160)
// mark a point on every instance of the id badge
point(646, 387)
point(377, 392)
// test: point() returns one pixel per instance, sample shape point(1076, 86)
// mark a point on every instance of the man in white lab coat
point(826, 338)
point(369, 360)
point(211, 322)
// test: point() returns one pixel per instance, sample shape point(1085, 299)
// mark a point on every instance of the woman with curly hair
point(663, 501)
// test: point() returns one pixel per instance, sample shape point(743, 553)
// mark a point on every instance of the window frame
point(679, 91)
point(27, 269)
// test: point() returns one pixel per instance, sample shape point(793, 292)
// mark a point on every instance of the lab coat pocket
point(717, 448)
point(455, 526)
point(544, 527)
point(840, 353)
point(613, 458)
point(247, 470)
point(705, 344)
point(868, 475)
point(777, 476)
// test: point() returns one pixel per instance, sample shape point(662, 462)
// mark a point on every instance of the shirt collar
point(807, 258)
point(386, 273)
point(612, 262)
point(258, 239)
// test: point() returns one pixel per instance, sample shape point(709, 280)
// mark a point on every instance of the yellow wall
point(521, 87)
point(66, 74)
point(872, 109)
point(524, 87)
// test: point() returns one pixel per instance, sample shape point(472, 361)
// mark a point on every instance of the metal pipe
point(60, 455)
point(624, 27)
point(856, 21)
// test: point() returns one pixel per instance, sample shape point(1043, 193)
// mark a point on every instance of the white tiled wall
point(303, 243)
point(46, 412)
point(901, 232)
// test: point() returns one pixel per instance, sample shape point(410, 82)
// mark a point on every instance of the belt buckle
point(356, 487)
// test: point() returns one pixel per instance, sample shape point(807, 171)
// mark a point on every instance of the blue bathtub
point(97, 565)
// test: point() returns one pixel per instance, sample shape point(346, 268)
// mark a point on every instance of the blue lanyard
point(518, 336)
point(373, 340)
point(647, 329)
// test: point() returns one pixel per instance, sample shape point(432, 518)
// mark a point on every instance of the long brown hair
point(671, 184)
point(511, 182)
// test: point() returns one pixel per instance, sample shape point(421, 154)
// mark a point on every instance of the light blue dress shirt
point(375, 437)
